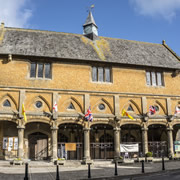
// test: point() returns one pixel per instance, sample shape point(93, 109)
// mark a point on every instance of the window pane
point(40, 70)
point(148, 78)
point(159, 79)
point(7, 103)
point(153, 74)
point(47, 71)
point(108, 75)
point(94, 73)
point(100, 74)
point(33, 70)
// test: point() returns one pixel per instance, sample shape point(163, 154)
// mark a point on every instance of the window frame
point(96, 77)
point(37, 73)
point(152, 78)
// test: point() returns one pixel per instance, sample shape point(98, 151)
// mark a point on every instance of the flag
point(88, 115)
point(124, 113)
point(24, 113)
point(92, 6)
point(55, 107)
point(177, 111)
point(152, 110)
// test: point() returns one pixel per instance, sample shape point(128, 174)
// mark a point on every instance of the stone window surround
point(155, 78)
point(45, 74)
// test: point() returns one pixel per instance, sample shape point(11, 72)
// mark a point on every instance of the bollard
point(142, 166)
point(116, 173)
point(163, 167)
point(89, 170)
point(57, 173)
point(26, 172)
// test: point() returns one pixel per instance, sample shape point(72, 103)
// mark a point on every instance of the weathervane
point(90, 8)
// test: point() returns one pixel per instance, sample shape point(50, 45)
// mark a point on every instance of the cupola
point(90, 28)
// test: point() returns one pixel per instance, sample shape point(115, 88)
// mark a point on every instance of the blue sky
point(141, 20)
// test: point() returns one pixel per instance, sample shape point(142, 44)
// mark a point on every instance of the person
point(126, 155)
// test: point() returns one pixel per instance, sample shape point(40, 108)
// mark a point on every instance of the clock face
point(94, 29)
point(87, 29)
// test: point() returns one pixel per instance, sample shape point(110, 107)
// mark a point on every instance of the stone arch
point(130, 122)
point(41, 98)
point(103, 100)
point(162, 107)
point(160, 129)
point(9, 97)
point(131, 132)
point(75, 102)
point(38, 130)
point(38, 120)
point(133, 104)
point(157, 123)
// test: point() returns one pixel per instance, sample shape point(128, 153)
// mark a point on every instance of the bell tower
point(90, 28)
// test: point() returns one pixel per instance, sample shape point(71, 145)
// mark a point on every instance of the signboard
point(5, 142)
point(10, 143)
point(177, 148)
point(129, 147)
point(15, 143)
point(70, 146)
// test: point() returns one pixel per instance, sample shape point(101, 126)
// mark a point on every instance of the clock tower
point(90, 28)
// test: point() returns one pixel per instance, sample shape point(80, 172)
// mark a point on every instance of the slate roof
point(74, 46)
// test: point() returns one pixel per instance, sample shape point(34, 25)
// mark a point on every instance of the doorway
point(38, 146)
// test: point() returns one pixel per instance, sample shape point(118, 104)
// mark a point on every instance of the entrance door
point(38, 146)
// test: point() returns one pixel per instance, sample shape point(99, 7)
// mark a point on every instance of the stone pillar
point(170, 142)
point(21, 101)
point(20, 141)
point(54, 131)
point(86, 145)
point(116, 143)
point(55, 100)
point(145, 140)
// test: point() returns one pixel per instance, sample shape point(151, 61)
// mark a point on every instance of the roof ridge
point(43, 31)
point(55, 32)
point(135, 41)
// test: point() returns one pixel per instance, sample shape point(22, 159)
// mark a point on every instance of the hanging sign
point(70, 146)
point(129, 147)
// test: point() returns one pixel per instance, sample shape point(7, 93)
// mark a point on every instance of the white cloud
point(14, 13)
point(163, 8)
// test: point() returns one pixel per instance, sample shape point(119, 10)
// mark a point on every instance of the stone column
point(145, 140)
point(86, 145)
point(20, 141)
point(170, 142)
point(116, 143)
point(54, 131)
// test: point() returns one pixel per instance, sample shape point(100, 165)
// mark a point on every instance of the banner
point(129, 147)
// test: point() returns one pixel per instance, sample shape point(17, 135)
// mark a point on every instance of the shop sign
point(70, 146)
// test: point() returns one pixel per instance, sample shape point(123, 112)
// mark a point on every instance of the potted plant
point(17, 161)
point(60, 161)
point(149, 156)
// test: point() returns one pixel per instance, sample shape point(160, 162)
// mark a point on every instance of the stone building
point(42, 68)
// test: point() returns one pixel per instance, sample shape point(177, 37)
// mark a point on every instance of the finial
point(164, 42)
point(9, 57)
point(2, 25)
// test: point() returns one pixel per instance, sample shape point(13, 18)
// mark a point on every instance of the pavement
point(43, 170)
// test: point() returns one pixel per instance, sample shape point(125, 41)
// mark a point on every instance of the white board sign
point(129, 147)
point(5, 142)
